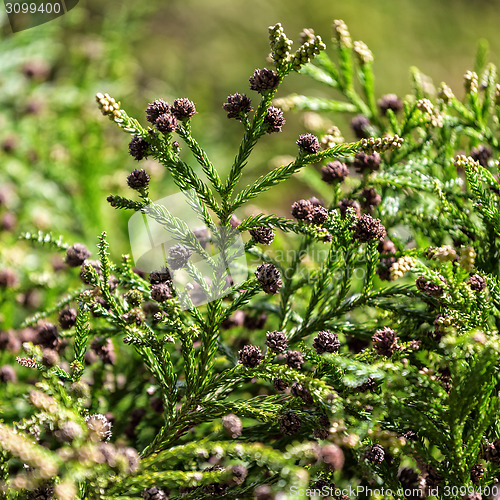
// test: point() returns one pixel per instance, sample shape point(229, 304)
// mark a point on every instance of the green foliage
point(383, 376)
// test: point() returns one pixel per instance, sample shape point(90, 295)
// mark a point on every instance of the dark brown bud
point(138, 179)
point(49, 357)
point(8, 221)
point(326, 341)
point(276, 341)
point(134, 316)
point(160, 276)
point(409, 480)
point(138, 148)
point(302, 209)
point(385, 341)
point(318, 215)
point(154, 493)
point(179, 256)
point(156, 109)
point(76, 255)
point(161, 292)
point(345, 204)
point(250, 356)
point(361, 126)
point(477, 473)
point(364, 161)
point(308, 143)
point(290, 423)
point(232, 425)
point(269, 278)
point(183, 109)
point(371, 198)
point(367, 229)
point(386, 246)
point(85, 275)
point(237, 105)
point(47, 335)
point(264, 79)
point(263, 235)
point(481, 154)
point(294, 359)
point(274, 120)
point(67, 318)
point(429, 287)
point(389, 101)
point(477, 283)
point(300, 391)
point(334, 171)
point(105, 350)
point(375, 454)
point(263, 492)
point(280, 384)
point(166, 123)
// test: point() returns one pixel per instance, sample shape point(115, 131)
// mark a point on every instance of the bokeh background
point(60, 158)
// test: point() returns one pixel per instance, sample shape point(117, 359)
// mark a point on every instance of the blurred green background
point(60, 158)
